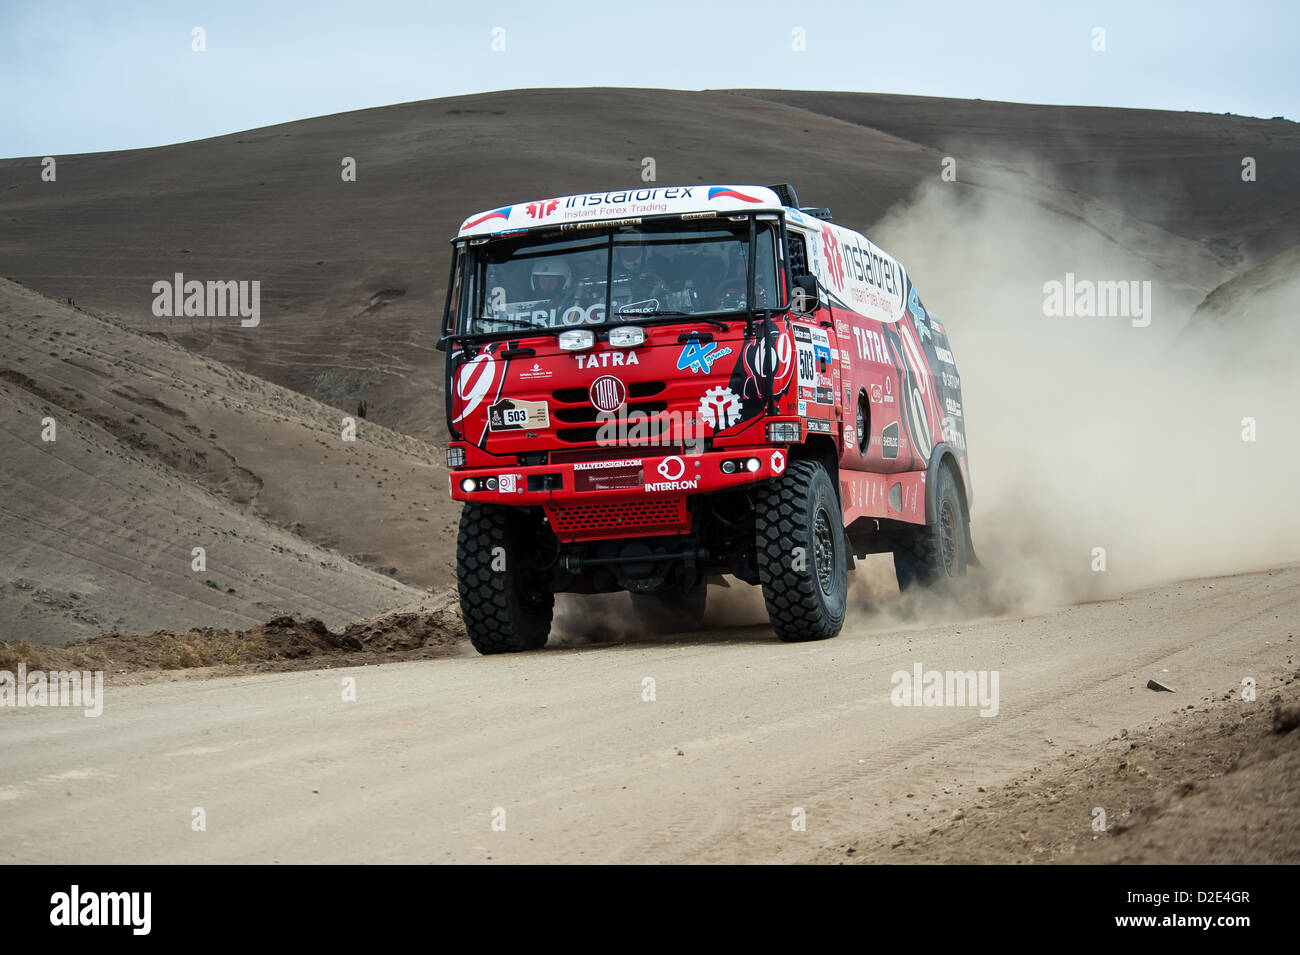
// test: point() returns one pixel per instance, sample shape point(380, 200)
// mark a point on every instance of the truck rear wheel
point(672, 609)
point(802, 562)
point(935, 552)
point(504, 604)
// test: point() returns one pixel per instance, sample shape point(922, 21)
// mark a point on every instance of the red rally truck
point(652, 386)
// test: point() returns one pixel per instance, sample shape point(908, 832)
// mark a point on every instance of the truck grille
point(579, 422)
point(565, 455)
point(589, 413)
point(579, 396)
point(626, 519)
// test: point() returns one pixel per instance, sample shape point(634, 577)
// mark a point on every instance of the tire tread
point(485, 599)
point(792, 597)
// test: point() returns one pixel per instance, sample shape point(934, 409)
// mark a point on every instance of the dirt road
point(742, 731)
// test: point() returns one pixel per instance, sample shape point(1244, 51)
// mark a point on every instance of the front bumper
point(626, 479)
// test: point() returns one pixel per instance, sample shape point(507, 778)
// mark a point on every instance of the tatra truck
point(652, 387)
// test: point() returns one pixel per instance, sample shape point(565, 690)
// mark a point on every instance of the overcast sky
point(83, 76)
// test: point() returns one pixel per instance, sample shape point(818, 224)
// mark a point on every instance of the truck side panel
point(894, 354)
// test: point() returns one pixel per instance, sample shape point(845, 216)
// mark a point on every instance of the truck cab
point(650, 387)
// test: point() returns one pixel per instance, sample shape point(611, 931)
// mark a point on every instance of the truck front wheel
point(503, 600)
point(802, 562)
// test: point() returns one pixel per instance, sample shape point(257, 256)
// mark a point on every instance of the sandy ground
point(1211, 784)
point(742, 732)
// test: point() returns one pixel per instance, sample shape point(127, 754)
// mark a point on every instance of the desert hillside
point(1270, 289)
point(157, 451)
point(167, 416)
point(1181, 171)
point(353, 273)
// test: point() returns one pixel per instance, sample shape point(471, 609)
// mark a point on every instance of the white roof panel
point(619, 204)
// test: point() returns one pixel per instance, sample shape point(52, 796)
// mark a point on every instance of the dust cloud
point(1095, 433)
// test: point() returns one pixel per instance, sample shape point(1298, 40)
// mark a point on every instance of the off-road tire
point(933, 553)
point(806, 598)
point(505, 610)
point(672, 609)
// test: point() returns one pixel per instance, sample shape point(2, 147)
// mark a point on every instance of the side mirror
point(804, 300)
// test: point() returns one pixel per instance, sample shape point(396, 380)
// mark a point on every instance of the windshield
point(629, 273)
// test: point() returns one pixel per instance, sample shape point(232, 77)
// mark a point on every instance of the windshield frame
point(459, 286)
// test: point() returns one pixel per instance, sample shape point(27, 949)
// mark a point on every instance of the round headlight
point(467, 485)
point(728, 467)
point(491, 484)
point(752, 465)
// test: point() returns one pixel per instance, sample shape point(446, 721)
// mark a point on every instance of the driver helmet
point(551, 267)
point(631, 250)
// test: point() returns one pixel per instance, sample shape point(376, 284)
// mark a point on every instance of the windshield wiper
point(669, 313)
point(650, 313)
point(715, 322)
